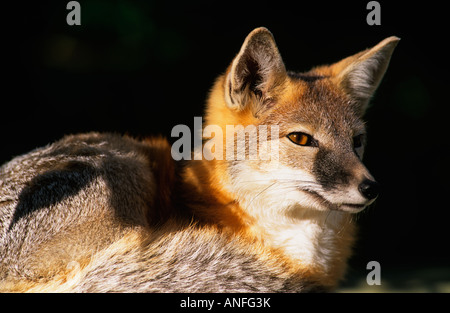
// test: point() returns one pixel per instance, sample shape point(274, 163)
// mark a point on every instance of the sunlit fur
point(108, 213)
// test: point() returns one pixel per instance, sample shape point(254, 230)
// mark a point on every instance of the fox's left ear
point(255, 73)
point(360, 74)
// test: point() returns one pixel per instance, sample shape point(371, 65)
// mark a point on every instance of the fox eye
point(358, 141)
point(302, 139)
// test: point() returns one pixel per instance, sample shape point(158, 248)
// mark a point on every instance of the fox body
point(102, 212)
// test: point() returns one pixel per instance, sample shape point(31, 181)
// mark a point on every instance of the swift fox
point(108, 213)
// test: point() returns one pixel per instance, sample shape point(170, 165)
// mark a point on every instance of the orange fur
point(130, 218)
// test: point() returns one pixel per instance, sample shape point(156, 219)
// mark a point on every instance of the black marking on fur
point(329, 169)
point(53, 186)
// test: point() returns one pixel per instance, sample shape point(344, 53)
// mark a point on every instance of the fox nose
point(369, 189)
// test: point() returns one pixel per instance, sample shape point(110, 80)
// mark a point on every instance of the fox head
point(319, 115)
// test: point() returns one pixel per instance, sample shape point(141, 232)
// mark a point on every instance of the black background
point(142, 67)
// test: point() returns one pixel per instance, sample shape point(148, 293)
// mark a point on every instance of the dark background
point(142, 67)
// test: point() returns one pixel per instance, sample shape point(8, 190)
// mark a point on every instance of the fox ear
point(360, 74)
point(255, 72)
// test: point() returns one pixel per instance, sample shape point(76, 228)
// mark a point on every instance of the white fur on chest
point(308, 241)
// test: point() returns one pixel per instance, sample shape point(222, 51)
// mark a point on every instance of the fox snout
point(369, 189)
point(345, 181)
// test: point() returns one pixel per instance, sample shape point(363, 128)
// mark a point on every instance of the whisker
point(259, 193)
point(326, 218)
point(280, 180)
point(301, 184)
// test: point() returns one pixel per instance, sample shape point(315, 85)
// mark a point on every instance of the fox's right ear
point(255, 72)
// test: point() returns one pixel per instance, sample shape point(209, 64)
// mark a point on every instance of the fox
point(105, 212)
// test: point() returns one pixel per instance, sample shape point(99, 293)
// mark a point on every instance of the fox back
point(103, 212)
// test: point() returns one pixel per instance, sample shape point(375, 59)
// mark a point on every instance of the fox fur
point(109, 213)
